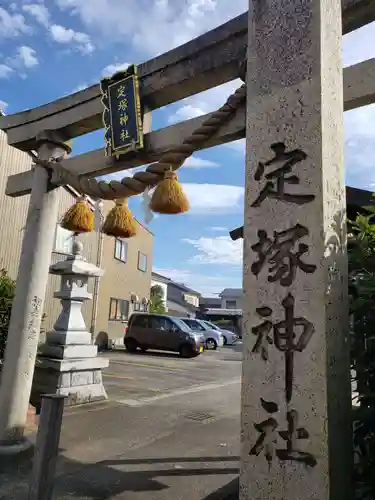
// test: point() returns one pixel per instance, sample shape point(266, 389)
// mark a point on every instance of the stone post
point(67, 363)
point(24, 327)
point(296, 406)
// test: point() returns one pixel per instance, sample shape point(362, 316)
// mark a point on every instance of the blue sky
point(53, 48)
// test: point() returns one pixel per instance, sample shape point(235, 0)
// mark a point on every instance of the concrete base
point(80, 379)
point(68, 351)
point(10, 448)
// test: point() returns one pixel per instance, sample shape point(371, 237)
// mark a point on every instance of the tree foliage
point(361, 243)
point(157, 300)
point(7, 290)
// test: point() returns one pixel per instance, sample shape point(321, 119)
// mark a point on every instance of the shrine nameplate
point(122, 112)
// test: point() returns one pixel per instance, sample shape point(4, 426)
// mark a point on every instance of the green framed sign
point(122, 119)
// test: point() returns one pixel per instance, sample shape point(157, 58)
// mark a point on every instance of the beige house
point(125, 285)
point(231, 298)
point(181, 300)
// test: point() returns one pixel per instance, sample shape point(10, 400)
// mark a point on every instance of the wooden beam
point(359, 90)
point(95, 163)
point(359, 84)
point(205, 62)
point(357, 13)
point(355, 200)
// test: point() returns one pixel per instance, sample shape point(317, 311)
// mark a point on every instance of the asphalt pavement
point(169, 430)
point(136, 377)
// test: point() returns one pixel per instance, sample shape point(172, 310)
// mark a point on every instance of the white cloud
point(239, 145)
point(68, 36)
point(114, 68)
point(12, 25)
point(204, 103)
point(160, 25)
point(213, 198)
point(219, 228)
point(185, 112)
point(207, 284)
point(219, 250)
point(3, 106)
point(205, 199)
point(82, 86)
point(39, 12)
point(197, 162)
point(27, 56)
point(5, 71)
point(359, 147)
point(356, 47)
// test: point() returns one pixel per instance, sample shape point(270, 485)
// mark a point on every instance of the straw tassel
point(79, 218)
point(120, 222)
point(169, 197)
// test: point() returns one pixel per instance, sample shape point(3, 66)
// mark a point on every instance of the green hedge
point(7, 290)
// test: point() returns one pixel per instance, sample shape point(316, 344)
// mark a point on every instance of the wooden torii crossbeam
point(309, 101)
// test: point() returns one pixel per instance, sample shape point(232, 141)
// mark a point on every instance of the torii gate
point(295, 384)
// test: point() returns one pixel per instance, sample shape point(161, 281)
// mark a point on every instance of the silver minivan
point(213, 338)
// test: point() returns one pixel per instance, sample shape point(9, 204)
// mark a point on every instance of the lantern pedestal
point(68, 363)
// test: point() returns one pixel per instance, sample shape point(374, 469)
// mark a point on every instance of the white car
point(213, 337)
point(230, 338)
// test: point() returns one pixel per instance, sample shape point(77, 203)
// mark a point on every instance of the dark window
point(118, 310)
point(121, 250)
point(231, 304)
point(141, 321)
point(160, 323)
point(194, 325)
point(142, 262)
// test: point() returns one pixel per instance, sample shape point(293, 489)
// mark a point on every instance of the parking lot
point(132, 379)
point(170, 430)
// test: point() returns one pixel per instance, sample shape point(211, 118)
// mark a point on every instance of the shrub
point(157, 300)
point(7, 290)
point(362, 308)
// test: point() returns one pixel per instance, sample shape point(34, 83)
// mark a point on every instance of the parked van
point(166, 333)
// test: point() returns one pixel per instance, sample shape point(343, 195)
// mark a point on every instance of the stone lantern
point(67, 362)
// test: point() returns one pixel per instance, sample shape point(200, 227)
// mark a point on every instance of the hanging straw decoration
point(120, 222)
point(79, 218)
point(169, 197)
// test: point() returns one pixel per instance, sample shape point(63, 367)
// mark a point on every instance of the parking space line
point(145, 365)
point(178, 392)
point(115, 375)
point(105, 406)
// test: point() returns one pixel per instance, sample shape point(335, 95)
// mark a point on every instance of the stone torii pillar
point(24, 327)
point(296, 406)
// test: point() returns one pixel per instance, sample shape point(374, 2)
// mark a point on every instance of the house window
point(142, 262)
point(140, 306)
point(118, 310)
point(64, 240)
point(121, 250)
point(231, 304)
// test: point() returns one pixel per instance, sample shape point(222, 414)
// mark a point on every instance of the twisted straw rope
point(171, 160)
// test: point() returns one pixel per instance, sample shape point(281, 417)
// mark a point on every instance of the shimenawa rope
point(155, 173)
